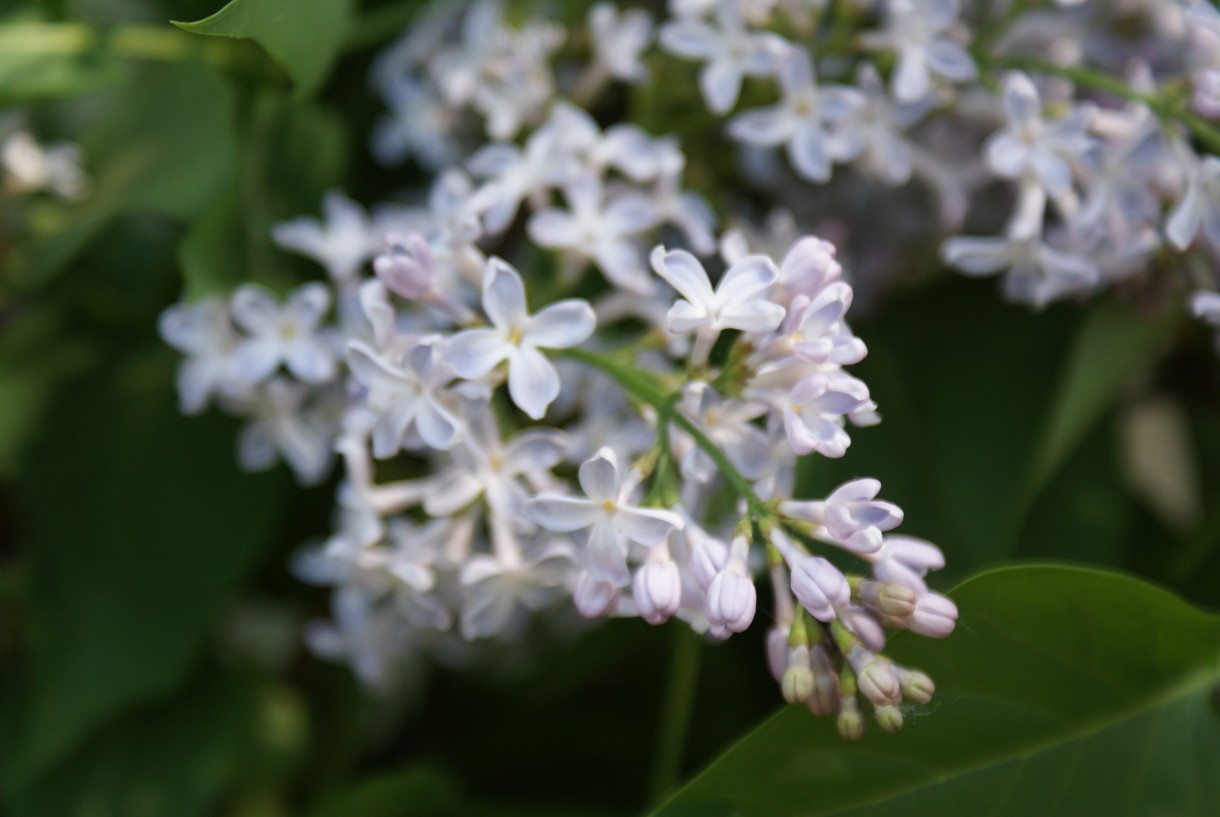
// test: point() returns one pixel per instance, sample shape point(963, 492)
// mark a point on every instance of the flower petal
point(533, 383)
point(561, 325)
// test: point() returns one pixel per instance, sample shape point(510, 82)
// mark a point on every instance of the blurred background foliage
point(150, 661)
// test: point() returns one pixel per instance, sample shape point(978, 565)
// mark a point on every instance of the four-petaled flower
point(515, 336)
point(607, 511)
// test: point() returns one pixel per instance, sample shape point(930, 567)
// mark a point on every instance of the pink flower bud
point(935, 616)
point(407, 267)
point(731, 599)
point(657, 590)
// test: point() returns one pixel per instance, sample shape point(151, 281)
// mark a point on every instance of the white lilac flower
point(603, 229)
point(497, 470)
point(1031, 146)
point(203, 333)
point(814, 411)
point(516, 336)
point(873, 135)
point(803, 119)
point(419, 125)
point(906, 560)
point(406, 391)
point(1035, 272)
point(366, 636)
point(919, 32)
point(30, 167)
point(613, 521)
point(498, 594)
point(513, 176)
point(851, 515)
point(739, 300)
point(279, 429)
point(730, 50)
point(618, 41)
point(342, 241)
point(688, 211)
point(728, 424)
point(291, 334)
point(815, 330)
point(1199, 208)
point(1119, 200)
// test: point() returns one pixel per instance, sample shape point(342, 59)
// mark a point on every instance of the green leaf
point(168, 146)
point(1111, 347)
point(137, 530)
point(427, 791)
point(180, 758)
point(44, 61)
point(304, 36)
point(1064, 691)
point(36, 353)
point(211, 255)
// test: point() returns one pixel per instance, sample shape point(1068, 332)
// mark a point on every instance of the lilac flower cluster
point(562, 383)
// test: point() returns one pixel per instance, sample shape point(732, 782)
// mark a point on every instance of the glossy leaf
point(137, 529)
point(1064, 691)
point(304, 36)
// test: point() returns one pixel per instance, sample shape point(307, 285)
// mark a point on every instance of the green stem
point(145, 42)
point(1166, 110)
point(679, 704)
point(637, 385)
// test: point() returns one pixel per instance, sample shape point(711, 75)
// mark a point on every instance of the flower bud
point(406, 267)
point(594, 598)
point(818, 585)
point(917, 687)
point(889, 718)
point(797, 683)
point(890, 598)
point(935, 616)
point(825, 697)
point(866, 625)
point(851, 722)
point(875, 678)
point(657, 590)
point(731, 599)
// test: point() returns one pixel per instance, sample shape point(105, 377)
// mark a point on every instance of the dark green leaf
point(175, 759)
point(1064, 691)
point(212, 254)
point(1111, 347)
point(36, 352)
point(137, 530)
point(304, 36)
